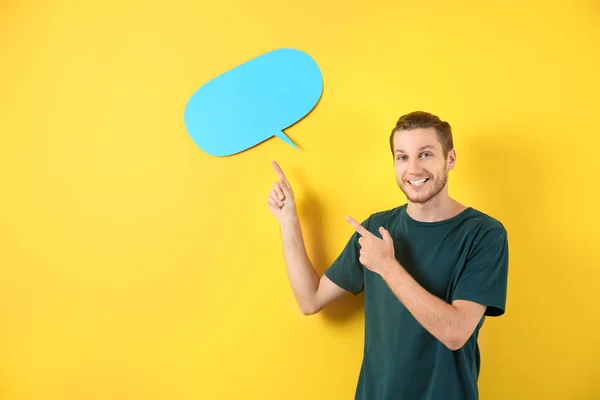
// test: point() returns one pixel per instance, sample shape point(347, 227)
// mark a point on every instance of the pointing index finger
point(358, 227)
point(279, 171)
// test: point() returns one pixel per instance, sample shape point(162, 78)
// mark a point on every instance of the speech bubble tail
point(286, 139)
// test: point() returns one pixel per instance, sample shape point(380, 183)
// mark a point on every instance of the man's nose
point(414, 167)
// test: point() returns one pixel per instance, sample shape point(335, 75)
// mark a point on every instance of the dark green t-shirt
point(464, 257)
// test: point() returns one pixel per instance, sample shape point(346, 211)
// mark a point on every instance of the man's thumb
point(385, 234)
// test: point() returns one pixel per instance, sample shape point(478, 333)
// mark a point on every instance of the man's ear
point(451, 159)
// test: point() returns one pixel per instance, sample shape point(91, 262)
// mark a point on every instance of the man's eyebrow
point(427, 146)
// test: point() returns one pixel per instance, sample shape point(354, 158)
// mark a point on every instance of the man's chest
point(433, 260)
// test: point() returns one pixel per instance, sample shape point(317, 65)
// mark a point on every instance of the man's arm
point(452, 324)
point(312, 293)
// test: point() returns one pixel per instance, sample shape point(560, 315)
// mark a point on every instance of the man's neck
point(437, 209)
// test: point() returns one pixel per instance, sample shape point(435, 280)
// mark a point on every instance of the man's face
point(421, 169)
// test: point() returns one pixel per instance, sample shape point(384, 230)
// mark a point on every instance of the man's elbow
point(456, 340)
point(309, 309)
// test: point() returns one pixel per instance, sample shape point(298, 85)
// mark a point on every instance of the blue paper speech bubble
point(253, 102)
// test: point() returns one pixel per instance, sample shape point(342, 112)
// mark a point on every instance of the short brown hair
point(422, 119)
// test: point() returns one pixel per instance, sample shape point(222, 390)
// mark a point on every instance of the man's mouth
point(418, 182)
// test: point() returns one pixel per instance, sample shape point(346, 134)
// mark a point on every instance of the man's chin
point(419, 200)
point(420, 197)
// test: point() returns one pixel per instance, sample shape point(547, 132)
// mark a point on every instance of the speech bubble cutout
point(253, 102)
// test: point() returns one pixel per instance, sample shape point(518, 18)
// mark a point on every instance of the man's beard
point(436, 187)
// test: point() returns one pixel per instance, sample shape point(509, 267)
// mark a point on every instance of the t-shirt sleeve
point(485, 275)
point(346, 271)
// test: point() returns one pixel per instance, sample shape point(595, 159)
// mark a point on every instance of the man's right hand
point(281, 201)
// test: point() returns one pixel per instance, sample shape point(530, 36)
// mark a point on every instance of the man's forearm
point(441, 319)
point(303, 277)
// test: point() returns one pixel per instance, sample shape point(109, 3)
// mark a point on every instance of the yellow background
point(135, 266)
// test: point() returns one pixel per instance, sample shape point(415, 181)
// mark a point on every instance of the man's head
point(423, 152)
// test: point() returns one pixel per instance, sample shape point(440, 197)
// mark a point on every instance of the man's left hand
point(375, 254)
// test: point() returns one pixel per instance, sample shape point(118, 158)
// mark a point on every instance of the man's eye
point(425, 154)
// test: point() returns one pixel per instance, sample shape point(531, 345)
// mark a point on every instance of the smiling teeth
point(419, 182)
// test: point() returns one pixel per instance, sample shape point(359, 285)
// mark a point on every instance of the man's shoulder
point(484, 229)
point(480, 220)
point(386, 215)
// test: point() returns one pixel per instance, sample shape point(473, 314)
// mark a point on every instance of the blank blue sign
point(253, 102)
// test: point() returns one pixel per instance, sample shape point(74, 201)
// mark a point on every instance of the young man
point(430, 269)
